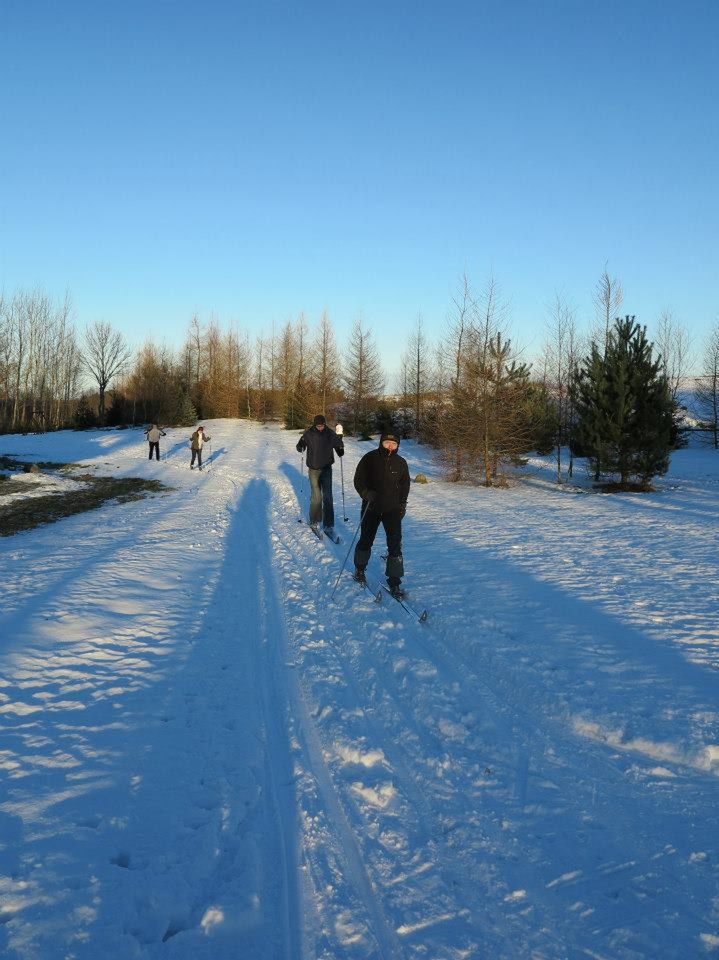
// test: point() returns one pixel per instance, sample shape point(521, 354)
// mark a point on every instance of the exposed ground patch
point(35, 511)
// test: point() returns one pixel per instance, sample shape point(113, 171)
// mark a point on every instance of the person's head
point(200, 429)
point(389, 441)
point(320, 422)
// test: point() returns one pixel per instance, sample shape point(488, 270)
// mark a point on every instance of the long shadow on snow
point(458, 567)
point(235, 664)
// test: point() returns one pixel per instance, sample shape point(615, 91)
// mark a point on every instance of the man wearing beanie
point(321, 443)
point(382, 480)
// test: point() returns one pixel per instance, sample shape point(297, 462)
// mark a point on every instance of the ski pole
point(340, 433)
point(344, 508)
point(302, 484)
point(344, 564)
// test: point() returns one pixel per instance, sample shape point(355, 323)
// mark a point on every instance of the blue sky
point(255, 160)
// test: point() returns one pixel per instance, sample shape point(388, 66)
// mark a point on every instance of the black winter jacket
point(388, 475)
point(319, 445)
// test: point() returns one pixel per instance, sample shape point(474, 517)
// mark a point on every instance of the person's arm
point(404, 485)
point(302, 443)
point(361, 479)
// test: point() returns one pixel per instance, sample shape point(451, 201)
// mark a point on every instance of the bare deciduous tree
point(325, 363)
point(559, 360)
point(416, 374)
point(39, 362)
point(452, 432)
point(106, 356)
point(673, 342)
point(485, 422)
point(608, 297)
point(363, 377)
point(707, 388)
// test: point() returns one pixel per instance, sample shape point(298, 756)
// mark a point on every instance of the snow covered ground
point(205, 755)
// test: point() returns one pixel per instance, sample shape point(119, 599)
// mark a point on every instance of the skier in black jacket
point(382, 480)
point(320, 442)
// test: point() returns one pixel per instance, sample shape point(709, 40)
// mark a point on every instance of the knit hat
point(389, 435)
point(319, 419)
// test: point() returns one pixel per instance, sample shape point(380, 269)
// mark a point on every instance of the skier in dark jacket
point(382, 480)
point(321, 444)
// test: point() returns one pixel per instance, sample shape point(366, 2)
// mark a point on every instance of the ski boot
point(359, 576)
point(395, 588)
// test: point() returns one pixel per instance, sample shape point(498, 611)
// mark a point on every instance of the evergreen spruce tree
point(185, 414)
point(85, 417)
point(592, 412)
point(118, 413)
point(625, 407)
point(506, 424)
point(653, 421)
point(541, 418)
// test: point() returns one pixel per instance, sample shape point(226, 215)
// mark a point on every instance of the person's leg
point(328, 508)
point(370, 522)
point(199, 458)
point(394, 570)
point(150, 454)
point(315, 495)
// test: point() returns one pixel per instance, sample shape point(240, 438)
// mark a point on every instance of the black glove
point(300, 447)
point(340, 451)
point(370, 496)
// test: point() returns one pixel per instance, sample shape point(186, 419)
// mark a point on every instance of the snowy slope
point(203, 755)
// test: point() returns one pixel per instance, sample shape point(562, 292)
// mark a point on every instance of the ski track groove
point(385, 734)
point(552, 730)
point(421, 732)
point(387, 942)
point(544, 782)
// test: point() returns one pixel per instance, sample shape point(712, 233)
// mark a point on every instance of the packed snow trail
point(204, 756)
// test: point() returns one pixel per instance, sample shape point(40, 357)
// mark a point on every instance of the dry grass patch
point(35, 511)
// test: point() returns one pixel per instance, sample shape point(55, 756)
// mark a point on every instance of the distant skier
point(320, 442)
point(382, 480)
point(153, 434)
point(198, 438)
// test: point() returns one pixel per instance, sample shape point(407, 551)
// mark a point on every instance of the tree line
point(606, 394)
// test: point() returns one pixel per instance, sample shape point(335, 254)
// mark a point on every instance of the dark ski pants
point(196, 454)
point(157, 449)
point(322, 507)
point(392, 523)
